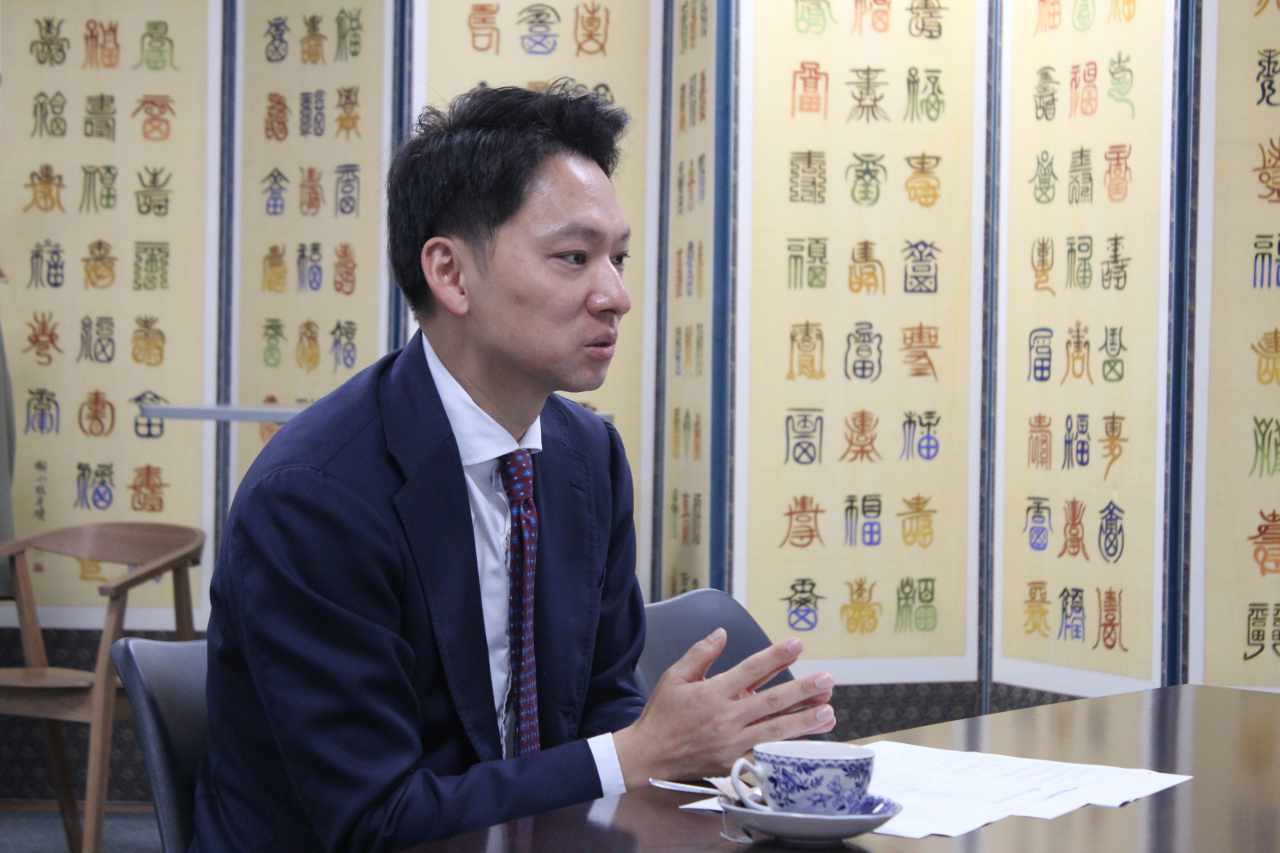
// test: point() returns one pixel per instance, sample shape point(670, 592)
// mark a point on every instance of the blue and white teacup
point(814, 777)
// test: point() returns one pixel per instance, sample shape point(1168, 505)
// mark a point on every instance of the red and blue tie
point(517, 479)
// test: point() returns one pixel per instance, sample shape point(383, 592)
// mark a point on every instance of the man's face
point(546, 305)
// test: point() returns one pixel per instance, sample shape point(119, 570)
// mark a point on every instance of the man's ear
point(445, 262)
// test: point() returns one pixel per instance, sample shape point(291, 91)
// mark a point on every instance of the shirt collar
point(480, 438)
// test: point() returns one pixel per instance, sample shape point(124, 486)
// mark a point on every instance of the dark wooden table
point(1229, 740)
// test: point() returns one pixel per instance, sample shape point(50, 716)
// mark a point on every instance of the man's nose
point(610, 292)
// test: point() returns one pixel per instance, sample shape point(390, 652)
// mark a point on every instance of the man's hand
point(695, 726)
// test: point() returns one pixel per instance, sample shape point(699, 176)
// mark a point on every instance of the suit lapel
point(566, 594)
point(436, 517)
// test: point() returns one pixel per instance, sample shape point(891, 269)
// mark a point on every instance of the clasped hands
point(694, 726)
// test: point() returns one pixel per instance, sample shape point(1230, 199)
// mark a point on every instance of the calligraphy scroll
point(689, 299)
point(315, 140)
point(106, 190)
point(1235, 625)
point(605, 46)
point(858, 505)
point(1083, 367)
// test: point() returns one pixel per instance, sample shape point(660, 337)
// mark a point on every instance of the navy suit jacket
point(350, 703)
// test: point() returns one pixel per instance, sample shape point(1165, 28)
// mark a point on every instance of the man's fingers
point(695, 663)
point(812, 702)
point(779, 699)
point(760, 667)
point(788, 726)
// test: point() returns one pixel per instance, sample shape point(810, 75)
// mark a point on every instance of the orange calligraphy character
point(155, 127)
point(591, 28)
point(277, 123)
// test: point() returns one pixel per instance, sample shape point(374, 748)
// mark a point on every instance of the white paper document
point(946, 792)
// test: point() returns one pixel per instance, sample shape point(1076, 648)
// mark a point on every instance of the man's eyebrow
point(586, 232)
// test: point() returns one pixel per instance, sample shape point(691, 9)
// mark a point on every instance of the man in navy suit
point(425, 616)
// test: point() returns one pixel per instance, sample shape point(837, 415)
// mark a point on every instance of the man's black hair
point(465, 170)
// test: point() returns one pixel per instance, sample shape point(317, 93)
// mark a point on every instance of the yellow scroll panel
point(103, 204)
point(860, 326)
point(311, 202)
point(1242, 506)
point(686, 424)
point(1084, 364)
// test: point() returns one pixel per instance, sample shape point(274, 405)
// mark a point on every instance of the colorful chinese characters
point(106, 110)
point(313, 106)
point(1074, 617)
point(1079, 433)
point(890, 205)
point(1240, 555)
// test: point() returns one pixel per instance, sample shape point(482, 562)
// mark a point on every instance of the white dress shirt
point(481, 440)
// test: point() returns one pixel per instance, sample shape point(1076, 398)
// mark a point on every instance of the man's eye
point(578, 258)
point(621, 260)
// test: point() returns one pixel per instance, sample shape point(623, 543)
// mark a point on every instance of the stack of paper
point(945, 792)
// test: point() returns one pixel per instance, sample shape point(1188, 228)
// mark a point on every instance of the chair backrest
point(165, 683)
point(672, 626)
point(128, 543)
point(146, 549)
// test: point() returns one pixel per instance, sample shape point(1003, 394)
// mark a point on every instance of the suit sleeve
point(614, 698)
point(313, 586)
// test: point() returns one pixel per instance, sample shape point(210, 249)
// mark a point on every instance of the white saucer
point(814, 831)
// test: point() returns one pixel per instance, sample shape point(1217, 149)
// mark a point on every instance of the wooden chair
point(55, 694)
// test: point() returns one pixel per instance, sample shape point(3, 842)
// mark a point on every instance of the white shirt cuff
point(606, 756)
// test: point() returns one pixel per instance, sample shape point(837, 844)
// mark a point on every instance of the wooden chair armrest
point(15, 546)
point(148, 571)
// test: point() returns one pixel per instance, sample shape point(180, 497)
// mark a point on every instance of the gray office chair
point(672, 626)
point(165, 683)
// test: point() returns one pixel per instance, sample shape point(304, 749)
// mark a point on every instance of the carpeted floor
point(32, 831)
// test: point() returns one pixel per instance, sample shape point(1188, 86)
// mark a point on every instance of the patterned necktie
point(517, 479)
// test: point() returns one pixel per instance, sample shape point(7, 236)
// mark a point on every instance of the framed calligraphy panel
point(1083, 368)
point(313, 132)
point(690, 505)
point(108, 252)
point(859, 328)
point(1235, 537)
